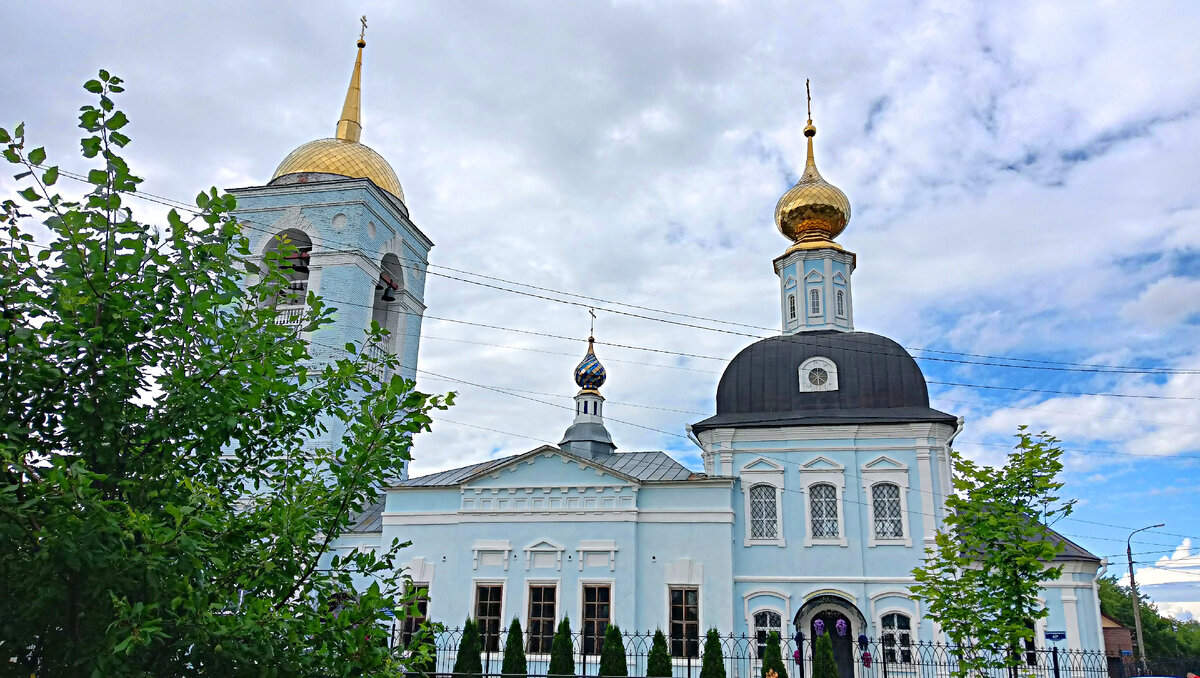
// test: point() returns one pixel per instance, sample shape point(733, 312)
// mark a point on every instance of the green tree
point(772, 659)
point(658, 662)
point(164, 507)
point(468, 661)
point(612, 654)
point(562, 654)
point(981, 580)
point(824, 665)
point(1165, 637)
point(712, 663)
point(514, 651)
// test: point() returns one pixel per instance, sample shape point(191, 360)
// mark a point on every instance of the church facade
point(825, 469)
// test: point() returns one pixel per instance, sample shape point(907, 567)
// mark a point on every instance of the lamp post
point(1137, 607)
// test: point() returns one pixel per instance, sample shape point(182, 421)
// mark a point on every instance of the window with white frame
point(597, 613)
point(885, 502)
point(685, 621)
point(823, 499)
point(814, 301)
point(841, 303)
point(540, 622)
point(764, 512)
point(792, 306)
point(818, 373)
point(412, 623)
point(897, 638)
point(765, 622)
point(487, 614)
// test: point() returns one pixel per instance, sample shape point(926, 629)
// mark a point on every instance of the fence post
point(883, 660)
point(1054, 656)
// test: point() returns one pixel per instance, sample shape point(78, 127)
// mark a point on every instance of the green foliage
point(612, 655)
point(164, 509)
point(658, 663)
point(424, 653)
point(514, 651)
point(824, 665)
point(712, 664)
point(981, 579)
point(562, 654)
point(773, 657)
point(1165, 637)
point(468, 661)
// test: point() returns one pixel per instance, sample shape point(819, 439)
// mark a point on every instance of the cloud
point(1173, 582)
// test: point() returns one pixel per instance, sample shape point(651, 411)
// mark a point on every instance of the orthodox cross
point(592, 330)
point(807, 92)
point(363, 33)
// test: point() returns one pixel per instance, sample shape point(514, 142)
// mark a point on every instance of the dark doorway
point(843, 645)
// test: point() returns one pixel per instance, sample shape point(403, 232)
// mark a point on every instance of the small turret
point(587, 436)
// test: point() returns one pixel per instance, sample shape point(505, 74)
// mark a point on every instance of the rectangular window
point(885, 499)
point(541, 618)
point(841, 304)
point(597, 613)
point(685, 622)
point(412, 623)
point(814, 302)
point(823, 498)
point(487, 614)
point(792, 306)
point(763, 523)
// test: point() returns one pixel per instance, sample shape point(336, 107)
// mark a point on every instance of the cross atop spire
point(362, 35)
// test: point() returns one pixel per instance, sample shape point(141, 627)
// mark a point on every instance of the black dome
point(878, 382)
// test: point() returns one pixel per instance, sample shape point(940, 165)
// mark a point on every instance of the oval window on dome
point(818, 374)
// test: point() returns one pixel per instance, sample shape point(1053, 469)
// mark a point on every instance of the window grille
point(763, 512)
point(764, 623)
point(897, 638)
point(889, 523)
point(597, 613)
point(685, 622)
point(487, 614)
point(541, 618)
point(823, 497)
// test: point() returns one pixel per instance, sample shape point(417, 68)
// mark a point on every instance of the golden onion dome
point(813, 212)
point(344, 155)
point(344, 158)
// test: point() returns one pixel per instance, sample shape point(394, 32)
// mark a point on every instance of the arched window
point(791, 306)
point(814, 302)
point(764, 513)
point(824, 511)
point(294, 246)
point(897, 638)
point(841, 304)
point(889, 522)
point(765, 622)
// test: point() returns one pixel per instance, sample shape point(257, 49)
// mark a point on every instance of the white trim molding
point(824, 470)
point(597, 547)
point(543, 554)
point(818, 362)
point(884, 469)
point(485, 549)
point(762, 472)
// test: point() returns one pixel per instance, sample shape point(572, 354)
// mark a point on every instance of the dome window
point(818, 374)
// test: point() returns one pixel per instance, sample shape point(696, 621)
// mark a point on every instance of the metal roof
point(642, 466)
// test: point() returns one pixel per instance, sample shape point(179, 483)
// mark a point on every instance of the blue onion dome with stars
point(590, 374)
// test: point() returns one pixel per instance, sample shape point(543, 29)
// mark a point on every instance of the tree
point(468, 661)
point(1165, 637)
point(772, 659)
point(514, 651)
point(562, 654)
point(164, 508)
point(612, 654)
point(981, 580)
point(658, 662)
point(712, 663)
point(824, 665)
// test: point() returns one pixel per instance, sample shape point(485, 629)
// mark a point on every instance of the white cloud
point(1173, 582)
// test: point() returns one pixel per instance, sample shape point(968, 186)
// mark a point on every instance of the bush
point(612, 655)
point(824, 665)
point(713, 663)
point(773, 657)
point(562, 654)
point(658, 663)
point(468, 662)
point(514, 651)
point(424, 656)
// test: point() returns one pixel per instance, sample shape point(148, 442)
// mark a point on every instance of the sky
point(1023, 179)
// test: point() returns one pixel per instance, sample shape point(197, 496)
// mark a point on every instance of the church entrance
point(841, 631)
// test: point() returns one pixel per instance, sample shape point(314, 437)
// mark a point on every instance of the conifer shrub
point(713, 663)
point(468, 662)
point(824, 665)
point(612, 655)
point(514, 651)
point(773, 657)
point(658, 663)
point(562, 654)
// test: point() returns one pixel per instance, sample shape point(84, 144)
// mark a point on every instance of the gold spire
point(349, 127)
point(813, 212)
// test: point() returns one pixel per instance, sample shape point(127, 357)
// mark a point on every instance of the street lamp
point(1137, 606)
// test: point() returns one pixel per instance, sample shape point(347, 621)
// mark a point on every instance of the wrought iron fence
point(742, 657)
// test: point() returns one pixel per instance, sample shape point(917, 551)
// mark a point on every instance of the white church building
point(825, 469)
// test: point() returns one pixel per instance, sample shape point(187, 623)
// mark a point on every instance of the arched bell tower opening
point(386, 310)
point(295, 246)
